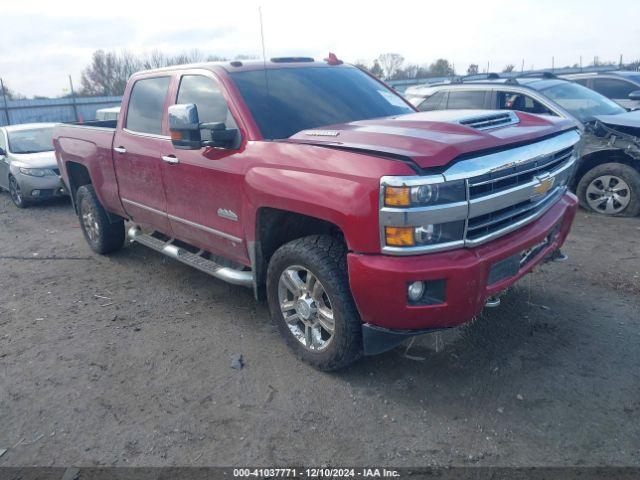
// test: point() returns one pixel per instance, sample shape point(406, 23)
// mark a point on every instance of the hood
point(35, 160)
point(434, 139)
point(627, 119)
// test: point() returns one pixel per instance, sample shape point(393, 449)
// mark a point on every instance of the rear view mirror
point(184, 125)
point(635, 95)
point(221, 136)
point(185, 128)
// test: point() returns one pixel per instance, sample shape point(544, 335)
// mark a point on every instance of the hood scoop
point(493, 120)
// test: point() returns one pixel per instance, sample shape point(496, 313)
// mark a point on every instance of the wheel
point(102, 235)
point(611, 189)
point(16, 193)
point(311, 303)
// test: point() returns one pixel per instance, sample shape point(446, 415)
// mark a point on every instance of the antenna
point(264, 54)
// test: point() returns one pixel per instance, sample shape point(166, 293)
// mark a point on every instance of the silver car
point(28, 168)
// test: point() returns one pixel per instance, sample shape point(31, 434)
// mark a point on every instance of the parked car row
point(607, 179)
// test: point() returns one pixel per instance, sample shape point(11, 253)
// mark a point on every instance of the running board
point(195, 260)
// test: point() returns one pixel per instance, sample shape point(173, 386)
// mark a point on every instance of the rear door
point(137, 150)
point(204, 187)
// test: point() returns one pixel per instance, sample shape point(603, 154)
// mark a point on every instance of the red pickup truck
point(361, 221)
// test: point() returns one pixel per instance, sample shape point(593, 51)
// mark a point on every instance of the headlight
point(423, 235)
point(37, 172)
point(424, 195)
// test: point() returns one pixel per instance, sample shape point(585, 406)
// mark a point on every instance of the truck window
point(522, 103)
point(436, 101)
point(612, 88)
point(146, 105)
point(460, 99)
point(212, 107)
point(284, 101)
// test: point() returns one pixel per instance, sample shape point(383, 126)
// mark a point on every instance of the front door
point(204, 187)
point(137, 154)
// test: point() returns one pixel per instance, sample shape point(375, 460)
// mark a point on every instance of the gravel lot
point(126, 360)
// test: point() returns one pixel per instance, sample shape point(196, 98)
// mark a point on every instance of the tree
point(441, 68)
point(9, 94)
point(376, 69)
point(509, 68)
point(473, 69)
point(390, 63)
point(109, 71)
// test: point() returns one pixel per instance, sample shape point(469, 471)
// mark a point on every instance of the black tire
point(16, 194)
point(102, 236)
point(325, 257)
point(628, 174)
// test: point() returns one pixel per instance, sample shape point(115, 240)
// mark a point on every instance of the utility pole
point(553, 63)
point(522, 66)
point(580, 62)
point(4, 98)
point(620, 62)
point(73, 99)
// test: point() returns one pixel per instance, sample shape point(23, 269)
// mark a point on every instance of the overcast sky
point(41, 42)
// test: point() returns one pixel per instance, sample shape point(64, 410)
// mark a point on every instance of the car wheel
point(17, 197)
point(311, 303)
point(611, 189)
point(102, 235)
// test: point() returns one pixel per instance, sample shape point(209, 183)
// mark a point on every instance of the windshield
point(303, 98)
point(581, 102)
point(31, 141)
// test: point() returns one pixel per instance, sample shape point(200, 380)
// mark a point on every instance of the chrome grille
point(517, 175)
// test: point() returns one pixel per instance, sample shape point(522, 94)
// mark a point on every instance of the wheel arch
point(592, 160)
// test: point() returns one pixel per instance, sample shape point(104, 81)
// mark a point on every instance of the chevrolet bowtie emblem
point(544, 185)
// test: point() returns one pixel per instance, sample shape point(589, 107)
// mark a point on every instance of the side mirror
point(184, 125)
point(185, 128)
point(635, 95)
point(221, 136)
point(2, 153)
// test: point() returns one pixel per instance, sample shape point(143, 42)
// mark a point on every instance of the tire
point(323, 257)
point(16, 193)
point(597, 197)
point(102, 235)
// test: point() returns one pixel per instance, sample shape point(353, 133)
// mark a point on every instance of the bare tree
point(390, 63)
point(8, 93)
point(473, 69)
point(509, 68)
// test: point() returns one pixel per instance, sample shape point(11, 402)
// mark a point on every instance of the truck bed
point(87, 149)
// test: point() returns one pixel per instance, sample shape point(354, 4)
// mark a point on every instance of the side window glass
point(146, 105)
point(582, 81)
point(612, 88)
point(460, 99)
point(522, 103)
point(434, 102)
point(204, 92)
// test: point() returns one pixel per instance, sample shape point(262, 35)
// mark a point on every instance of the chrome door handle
point(119, 149)
point(172, 159)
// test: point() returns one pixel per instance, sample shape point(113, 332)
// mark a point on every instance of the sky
point(43, 42)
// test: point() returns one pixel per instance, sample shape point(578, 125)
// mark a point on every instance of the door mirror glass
point(184, 125)
point(635, 95)
point(221, 136)
point(2, 152)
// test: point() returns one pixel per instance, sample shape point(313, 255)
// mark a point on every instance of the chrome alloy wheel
point(90, 221)
point(306, 308)
point(608, 194)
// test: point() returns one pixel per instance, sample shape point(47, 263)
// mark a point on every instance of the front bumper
point(379, 282)
point(40, 188)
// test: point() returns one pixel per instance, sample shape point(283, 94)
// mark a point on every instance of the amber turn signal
point(396, 197)
point(399, 236)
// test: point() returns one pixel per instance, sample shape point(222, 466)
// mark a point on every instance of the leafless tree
point(473, 69)
point(509, 68)
point(390, 63)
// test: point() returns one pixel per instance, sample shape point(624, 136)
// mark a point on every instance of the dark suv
point(607, 179)
point(621, 86)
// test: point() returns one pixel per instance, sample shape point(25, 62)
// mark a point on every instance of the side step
point(195, 260)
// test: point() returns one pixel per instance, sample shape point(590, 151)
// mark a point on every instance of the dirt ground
point(126, 360)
